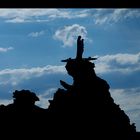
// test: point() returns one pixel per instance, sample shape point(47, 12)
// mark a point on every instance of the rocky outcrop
point(84, 109)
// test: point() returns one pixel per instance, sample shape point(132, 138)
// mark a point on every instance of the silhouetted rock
point(87, 103)
point(22, 117)
point(23, 102)
point(84, 109)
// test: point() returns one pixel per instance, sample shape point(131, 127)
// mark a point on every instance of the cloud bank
point(99, 16)
point(123, 63)
point(15, 76)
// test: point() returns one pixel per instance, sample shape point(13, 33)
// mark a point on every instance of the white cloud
point(68, 34)
point(124, 63)
point(36, 15)
point(6, 49)
point(25, 15)
point(15, 76)
point(36, 34)
point(102, 16)
point(16, 20)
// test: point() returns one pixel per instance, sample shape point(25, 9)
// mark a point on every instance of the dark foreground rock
point(84, 109)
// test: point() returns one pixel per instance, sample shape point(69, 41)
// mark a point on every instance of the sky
point(34, 41)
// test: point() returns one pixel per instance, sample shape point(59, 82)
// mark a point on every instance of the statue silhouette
point(80, 47)
point(88, 99)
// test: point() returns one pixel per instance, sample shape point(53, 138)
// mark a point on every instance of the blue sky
point(34, 41)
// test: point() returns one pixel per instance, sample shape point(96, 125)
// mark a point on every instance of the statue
point(80, 48)
point(79, 53)
point(75, 65)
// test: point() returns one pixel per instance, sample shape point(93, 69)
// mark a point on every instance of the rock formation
point(84, 109)
point(88, 103)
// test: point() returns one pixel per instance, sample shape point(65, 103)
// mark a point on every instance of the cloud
point(36, 34)
point(102, 16)
point(128, 98)
point(124, 63)
point(5, 101)
point(99, 16)
point(6, 49)
point(25, 15)
point(129, 101)
point(45, 97)
point(15, 76)
point(68, 34)
point(16, 20)
point(40, 15)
